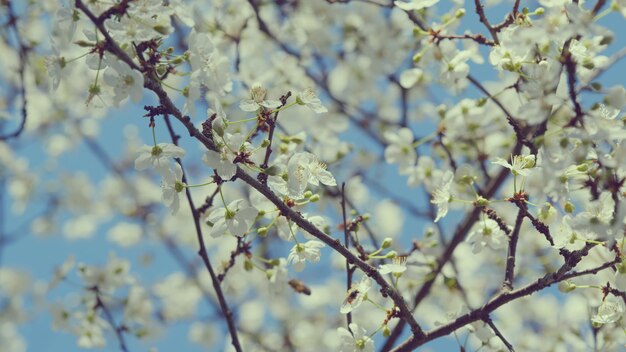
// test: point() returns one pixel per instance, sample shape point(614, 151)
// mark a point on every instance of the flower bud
point(569, 207)
point(391, 255)
point(481, 201)
point(272, 170)
point(387, 242)
point(566, 286)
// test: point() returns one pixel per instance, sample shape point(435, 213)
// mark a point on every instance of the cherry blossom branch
point(118, 330)
point(539, 226)
point(459, 234)
point(480, 11)
point(362, 123)
point(570, 68)
point(268, 150)
point(228, 315)
point(496, 302)
point(509, 271)
point(495, 329)
point(242, 248)
point(478, 38)
point(23, 50)
point(152, 84)
point(510, 18)
point(296, 217)
point(346, 243)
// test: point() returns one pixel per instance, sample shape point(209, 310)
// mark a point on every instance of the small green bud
point(161, 30)
point(481, 101)
point(272, 170)
point(566, 286)
point(84, 44)
point(262, 231)
point(417, 58)
point(391, 255)
point(606, 40)
point(482, 202)
point(94, 89)
point(596, 86)
point(219, 129)
point(265, 143)
point(387, 242)
point(540, 11)
point(179, 186)
point(314, 198)
point(297, 139)
point(275, 262)
point(582, 167)
point(569, 207)
point(386, 331)
point(459, 13)
point(450, 282)
point(308, 194)
point(588, 64)
point(248, 266)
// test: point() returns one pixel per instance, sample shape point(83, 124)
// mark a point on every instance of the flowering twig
point(496, 302)
point(459, 234)
point(483, 18)
point(108, 316)
point(509, 271)
point(346, 239)
point(23, 50)
point(495, 329)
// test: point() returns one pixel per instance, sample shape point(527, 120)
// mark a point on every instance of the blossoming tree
point(335, 175)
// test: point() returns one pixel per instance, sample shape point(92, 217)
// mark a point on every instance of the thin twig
point(459, 234)
point(23, 50)
point(228, 315)
point(498, 301)
point(498, 333)
point(509, 271)
point(108, 316)
point(483, 18)
point(346, 243)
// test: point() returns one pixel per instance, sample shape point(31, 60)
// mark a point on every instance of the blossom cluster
point(321, 175)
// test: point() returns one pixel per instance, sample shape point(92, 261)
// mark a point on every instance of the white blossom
point(308, 98)
point(357, 341)
point(442, 195)
point(235, 219)
point(304, 169)
point(158, 156)
point(305, 252)
point(356, 294)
